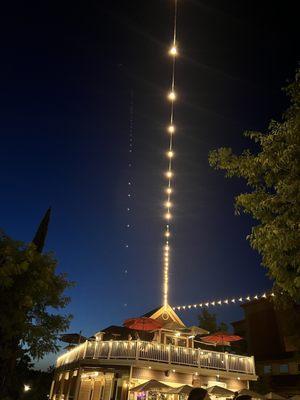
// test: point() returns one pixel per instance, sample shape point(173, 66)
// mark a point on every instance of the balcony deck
point(155, 352)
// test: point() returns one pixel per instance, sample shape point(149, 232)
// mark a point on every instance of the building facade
point(276, 351)
point(110, 366)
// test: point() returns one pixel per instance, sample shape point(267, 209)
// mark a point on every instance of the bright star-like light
point(172, 95)
point(171, 128)
point(173, 51)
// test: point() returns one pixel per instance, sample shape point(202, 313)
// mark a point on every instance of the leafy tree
point(30, 293)
point(272, 173)
point(208, 321)
point(39, 382)
point(223, 327)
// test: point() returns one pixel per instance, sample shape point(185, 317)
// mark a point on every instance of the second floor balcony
point(137, 350)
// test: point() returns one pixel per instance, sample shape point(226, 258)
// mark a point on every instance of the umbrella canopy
point(219, 391)
point(221, 338)
point(152, 385)
point(196, 330)
point(74, 338)
point(185, 389)
point(275, 396)
point(254, 395)
point(142, 324)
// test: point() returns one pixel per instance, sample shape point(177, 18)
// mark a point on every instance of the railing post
point(95, 348)
point(226, 361)
point(253, 365)
point(109, 349)
point(169, 353)
point(137, 353)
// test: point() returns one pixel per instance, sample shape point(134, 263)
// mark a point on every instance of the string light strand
point(223, 302)
point(169, 174)
point(129, 185)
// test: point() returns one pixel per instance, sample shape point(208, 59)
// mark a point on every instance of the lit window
point(283, 368)
point(267, 369)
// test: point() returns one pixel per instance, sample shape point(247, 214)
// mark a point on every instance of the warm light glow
point(170, 154)
point(172, 95)
point(168, 215)
point(173, 51)
point(171, 128)
point(169, 190)
point(168, 204)
point(169, 174)
point(167, 234)
point(26, 388)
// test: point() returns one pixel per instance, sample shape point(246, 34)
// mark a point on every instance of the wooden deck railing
point(149, 351)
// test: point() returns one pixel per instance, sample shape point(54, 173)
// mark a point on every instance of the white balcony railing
point(155, 352)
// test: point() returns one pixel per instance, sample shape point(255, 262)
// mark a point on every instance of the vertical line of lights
point(169, 174)
point(130, 190)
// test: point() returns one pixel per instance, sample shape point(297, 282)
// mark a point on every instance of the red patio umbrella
point(221, 338)
point(142, 324)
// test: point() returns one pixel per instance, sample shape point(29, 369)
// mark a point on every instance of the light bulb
point(170, 154)
point(168, 204)
point(169, 174)
point(169, 190)
point(173, 51)
point(168, 215)
point(171, 128)
point(172, 95)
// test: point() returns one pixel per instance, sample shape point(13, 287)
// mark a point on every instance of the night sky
point(68, 72)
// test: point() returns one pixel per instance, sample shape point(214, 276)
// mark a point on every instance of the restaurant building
point(119, 364)
point(267, 335)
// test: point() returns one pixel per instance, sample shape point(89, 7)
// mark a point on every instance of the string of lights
point(224, 302)
point(173, 52)
point(129, 184)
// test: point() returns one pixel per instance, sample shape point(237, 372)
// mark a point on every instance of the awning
point(275, 396)
point(254, 395)
point(219, 391)
point(185, 389)
point(153, 385)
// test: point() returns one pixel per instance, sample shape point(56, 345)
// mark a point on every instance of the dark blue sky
point(67, 70)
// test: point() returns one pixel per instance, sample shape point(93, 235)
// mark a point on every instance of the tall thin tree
point(41, 233)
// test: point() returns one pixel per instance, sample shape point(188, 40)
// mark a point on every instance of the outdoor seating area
point(154, 390)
